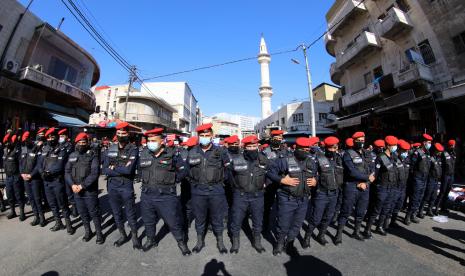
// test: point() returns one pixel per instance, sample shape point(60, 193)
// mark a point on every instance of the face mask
point(81, 148)
point(61, 140)
point(233, 149)
point(52, 143)
point(393, 149)
point(378, 150)
point(275, 143)
point(428, 146)
point(404, 155)
point(205, 141)
point(10, 146)
point(123, 139)
point(300, 154)
point(330, 154)
point(358, 145)
point(29, 144)
point(40, 138)
point(314, 149)
point(153, 146)
point(251, 154)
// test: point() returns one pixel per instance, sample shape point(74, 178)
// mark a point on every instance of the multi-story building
point(246, 124)
point(222, 128)
point(180, 96)
point(45, 77)
point(143, 109)
point(401, 65)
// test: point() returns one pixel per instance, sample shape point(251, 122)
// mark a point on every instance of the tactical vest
point(423, 165)
point(81, 165)
point(249, 177)
point(52, 157)
point(206, 170)
point(449, 163)
point(159, 171)
point(388, 173)
point(403, 170)
point(29, 159)
point(120, 158)
point(301, 171)
point(331, 176)
point(436, 168)
point(11, 162)
point(359, 161)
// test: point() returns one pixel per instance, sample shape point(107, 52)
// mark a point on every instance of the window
point(277, 122)
point(62, 71)
point(368, 77)
point(459, 43)
point(403, 5)
point(378, 72)
point(427, 52)
point(282, 121)
point(322, 116)
point(298, 118)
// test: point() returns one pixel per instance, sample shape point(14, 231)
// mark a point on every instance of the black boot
point(257, 243)
point(367, 232)
point(98, 230)
point(279, 246)
point(58, 225)
point(42, 221)
point(200, 244)
point(393, 222)
point(421, 213)
point(407, 218)
point(12, 213)
point(122, 237)
point(22, 215)
point(87, 232)
point(235, 245)
point(356, 234)
point(387, 222)
point(35, 221)
point(340, 229)
point(69, 226)
point(183, 247)
point(430, 211)
point(291, 250)
point(321, 238)
point(220, 244)
point(307, 239)
point(380, 227)
point(414, 218)
point(436, 210)
point(135, 240)
point(149, 244)
point(2, 204)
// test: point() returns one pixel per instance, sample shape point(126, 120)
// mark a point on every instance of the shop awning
point(66, 121)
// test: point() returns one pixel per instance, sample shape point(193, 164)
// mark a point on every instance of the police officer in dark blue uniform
point(67, 146)
point(448, 171)
point(349, 143)
point(52, 168)
point(160, 169)
point(248, 171)
point(434, 181)
point(119, 165)
point(296, 175)
point(81, 175)
point(207, 164)
point(421, 164)
point(385, 184)
point(325, 194)
point(358, 174)
point(29, 170)
point(13, 181)
point(186, 188)
point(403, 172)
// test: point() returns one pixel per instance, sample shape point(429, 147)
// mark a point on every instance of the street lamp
point(310, 91)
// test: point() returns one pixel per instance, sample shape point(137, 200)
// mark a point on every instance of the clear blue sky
point(168, 36)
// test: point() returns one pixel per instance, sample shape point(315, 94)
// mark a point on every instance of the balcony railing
point(366, 93)
point(335, 74)
point(349, 10)
point(330, 42)
point(414, 72)
point(395, 23)
point(149, 118)
point(364, 43)
point(85, 97)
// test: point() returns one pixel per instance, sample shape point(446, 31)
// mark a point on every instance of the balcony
point(330, 42)
point(394, 24)
point(335, 74)
point(363, 44)
point(85, 99)
point(413, 73)
point(342, 16)
point(150, 119)
point(372, 90)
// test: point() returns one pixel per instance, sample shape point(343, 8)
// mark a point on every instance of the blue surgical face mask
point(205, 141)
point(427, 146)
point(393, 149)
point(61, 140)
point(404, 155)
point(153, 146)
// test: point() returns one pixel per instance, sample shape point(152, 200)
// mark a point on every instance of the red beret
point(427, 137)
point(50, 131)
point(322, 143)
point(204, 127)
point(305, 142)
point(404, 145)
point(42, 129)
point(62, 131)
point(25, 136)
point(232, 139)
point(314, 140)
point(192, 141)
point(277, 132)
point(438, 147)
point(264, 146)
point(183, 144)
point(122, 125)
point(380, 143)
point(358, 134)
point(251, 139)
point(416, 144)
point(114, 138)
point(170, 143)
point(154, 132)
point(5, 138)
point(391, 140)
point(13, 138)
point(451, 143)
point(350, 142)
point(81, 136)
point(331, 141)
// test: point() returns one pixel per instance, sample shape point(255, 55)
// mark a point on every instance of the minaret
point(265, 90)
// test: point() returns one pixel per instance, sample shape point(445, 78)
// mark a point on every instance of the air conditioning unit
point(11, 66)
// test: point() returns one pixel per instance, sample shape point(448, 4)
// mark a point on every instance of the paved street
point(428, 248)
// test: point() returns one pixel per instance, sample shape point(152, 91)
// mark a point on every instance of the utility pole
point(132, 78)
point(310, 91)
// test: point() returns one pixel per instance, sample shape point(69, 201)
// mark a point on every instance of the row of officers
point(276, 187)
